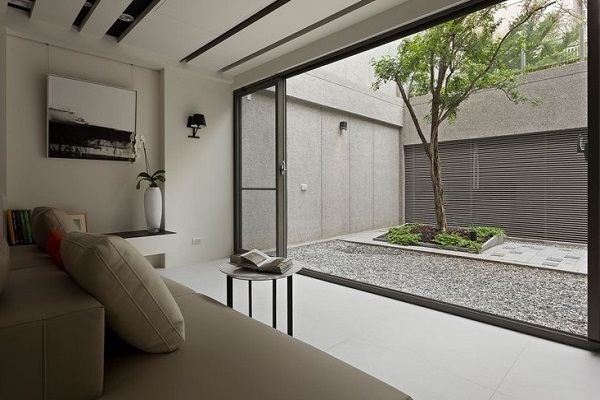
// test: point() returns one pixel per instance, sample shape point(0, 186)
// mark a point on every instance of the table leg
point(229, 291)
point(289, 307)
point(275, 303)
point(250, 299)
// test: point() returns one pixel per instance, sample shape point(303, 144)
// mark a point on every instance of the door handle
point(282, 168)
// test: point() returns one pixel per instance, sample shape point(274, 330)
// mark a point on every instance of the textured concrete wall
point(304, 161)
point(361, 174)
point(335, 172)
point(337, 182)
point(352, 179)
point(560, 91)
point(387, 170)
point(258, 140)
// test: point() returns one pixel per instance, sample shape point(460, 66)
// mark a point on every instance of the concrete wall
point(562, 96)
point(199, 189)
point(352, 178)
point(338, 182)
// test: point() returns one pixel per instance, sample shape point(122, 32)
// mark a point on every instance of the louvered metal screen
point(532, 185)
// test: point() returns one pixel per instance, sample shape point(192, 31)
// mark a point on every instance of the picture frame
point(80, 219)
point(88, 120)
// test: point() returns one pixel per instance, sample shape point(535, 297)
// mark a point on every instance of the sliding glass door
point(260, 170)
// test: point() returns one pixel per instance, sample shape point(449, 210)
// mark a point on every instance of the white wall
point(199, 187)
point(105, 190)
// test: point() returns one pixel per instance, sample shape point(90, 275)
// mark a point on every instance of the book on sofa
point(261, 262)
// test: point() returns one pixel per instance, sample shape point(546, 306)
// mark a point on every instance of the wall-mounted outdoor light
point(343, 126)
point(196, 121)
point(582, 147)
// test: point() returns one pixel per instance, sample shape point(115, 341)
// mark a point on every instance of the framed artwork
point(89, 120)
point(80, 220)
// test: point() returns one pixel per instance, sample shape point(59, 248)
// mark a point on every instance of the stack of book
point(261, 262)
point(19, 227)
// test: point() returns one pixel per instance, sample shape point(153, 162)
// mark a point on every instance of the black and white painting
point(90, 120)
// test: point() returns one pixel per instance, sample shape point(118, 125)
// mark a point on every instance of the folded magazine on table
point(261, 262)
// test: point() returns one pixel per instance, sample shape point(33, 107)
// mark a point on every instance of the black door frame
point(280, 159)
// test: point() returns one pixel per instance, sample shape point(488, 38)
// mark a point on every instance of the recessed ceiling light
point(125, 18)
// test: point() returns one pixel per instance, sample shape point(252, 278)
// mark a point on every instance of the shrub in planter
point(402, 235)
point(456, 240)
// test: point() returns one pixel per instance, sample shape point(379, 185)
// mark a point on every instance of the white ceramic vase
point(153, 208)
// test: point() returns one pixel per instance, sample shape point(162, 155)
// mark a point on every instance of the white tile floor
point(427, 354)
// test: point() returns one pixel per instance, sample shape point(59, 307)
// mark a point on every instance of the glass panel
point(357, 167)
point(258, 139)
point(258, 219)
point(258, 195)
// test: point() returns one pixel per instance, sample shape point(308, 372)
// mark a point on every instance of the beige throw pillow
point(45, 220)
point(4, 263)
point(139, 307)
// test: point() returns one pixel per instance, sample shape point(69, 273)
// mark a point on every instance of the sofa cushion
point(230, 356)
point(4, 263)
point(51, 336)
point(47, 219)
point(139, 306)
point(29, 256)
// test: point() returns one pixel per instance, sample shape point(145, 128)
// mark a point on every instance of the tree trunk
point(435, 172)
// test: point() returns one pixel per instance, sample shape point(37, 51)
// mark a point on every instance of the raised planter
point(491, 242)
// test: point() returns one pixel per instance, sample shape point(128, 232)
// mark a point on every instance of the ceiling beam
point(299, 33)
point(102, 16)
point(61, 13)
point(242, 25)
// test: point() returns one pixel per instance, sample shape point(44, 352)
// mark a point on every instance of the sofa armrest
point(51, 338)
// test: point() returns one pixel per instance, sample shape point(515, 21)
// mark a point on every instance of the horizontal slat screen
point(532, 185)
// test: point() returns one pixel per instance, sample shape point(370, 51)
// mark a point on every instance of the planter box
point(491, 242)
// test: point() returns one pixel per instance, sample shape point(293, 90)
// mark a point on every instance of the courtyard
point(542, 283)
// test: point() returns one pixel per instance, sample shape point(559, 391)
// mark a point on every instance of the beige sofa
point(54, 345)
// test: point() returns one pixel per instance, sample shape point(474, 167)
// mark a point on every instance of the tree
point(543, 40)
point(452, 61)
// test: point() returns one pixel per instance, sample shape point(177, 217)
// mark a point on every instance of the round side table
point(234, 272)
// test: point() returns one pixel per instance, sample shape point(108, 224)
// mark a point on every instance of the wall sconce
point(196, 121)
point(343, 126)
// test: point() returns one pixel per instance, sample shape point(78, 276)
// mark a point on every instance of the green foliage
point(543, 39)
point(401, 235)
point(451, 61)
point(153, 179)
point(455, 240)
point(488, 231)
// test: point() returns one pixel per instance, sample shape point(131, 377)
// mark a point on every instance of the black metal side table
point(234, 272)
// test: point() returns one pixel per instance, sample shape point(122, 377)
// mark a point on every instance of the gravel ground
point(550, 298)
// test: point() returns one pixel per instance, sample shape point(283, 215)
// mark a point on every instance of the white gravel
point(552, 299)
